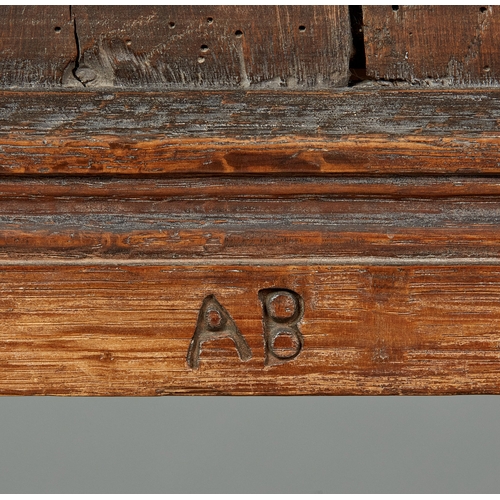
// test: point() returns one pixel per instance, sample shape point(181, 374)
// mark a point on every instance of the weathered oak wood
point(450, 44)
point(238, 218)
point(236, 132)
point(213, 46)
point(37, 45)
point(125, 329)
point(281, 238)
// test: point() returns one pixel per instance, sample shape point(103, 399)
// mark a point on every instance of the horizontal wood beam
point(369, 132)
point(249, 242)
point(383, 286)
point(249, 218)
point(123, 329)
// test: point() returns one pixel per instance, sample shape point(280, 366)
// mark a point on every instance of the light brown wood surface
point(121, 329)
point(102, 282)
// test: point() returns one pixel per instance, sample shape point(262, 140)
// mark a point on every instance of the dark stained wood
point(213, 46)
point(253, 132)
point(37, 45)
point(121, 329)
point(447, 44)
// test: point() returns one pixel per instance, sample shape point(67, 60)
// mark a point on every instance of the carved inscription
point(214, 322)
point(283, 309)
point(283, 341)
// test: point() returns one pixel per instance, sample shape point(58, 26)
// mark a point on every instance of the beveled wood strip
point(248, 133)
point(259, 218)
point(126, 330)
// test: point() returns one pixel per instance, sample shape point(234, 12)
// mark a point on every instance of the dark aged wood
point(213, 46)
point(447, 44)
point(175, 46)
point(281, 238)
point(250, 132)
point(37, 45)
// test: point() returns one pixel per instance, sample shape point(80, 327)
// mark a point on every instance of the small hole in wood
point(486, 69)
point(57, 29)
point(201, 60)
point(128, 43)
point(204, 48)
point(483, 9)
point(395, 7)
point(214, 320)
point(238, 33)
point(302, 28)
point(210, 20)
point(171, 25)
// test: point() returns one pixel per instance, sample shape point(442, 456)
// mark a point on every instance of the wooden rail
point(249, 242)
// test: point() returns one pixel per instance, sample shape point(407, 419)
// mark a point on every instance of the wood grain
point(263, 234)
point(213, 46)
point(264, 218)
point(125, 329)
point(444, 44)
point(250, 132)
point(37, 45)
point(102, 282)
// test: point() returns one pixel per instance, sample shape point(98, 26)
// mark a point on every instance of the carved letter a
point(214, 322)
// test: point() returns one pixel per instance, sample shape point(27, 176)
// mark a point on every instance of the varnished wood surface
point(433, 44)
point(237, 132)
point(125, 329)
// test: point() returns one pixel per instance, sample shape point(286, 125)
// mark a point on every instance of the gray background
point(250, 445)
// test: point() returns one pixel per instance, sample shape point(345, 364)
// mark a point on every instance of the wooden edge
point(263, 218)
point(134, 330)
point(358, 132)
